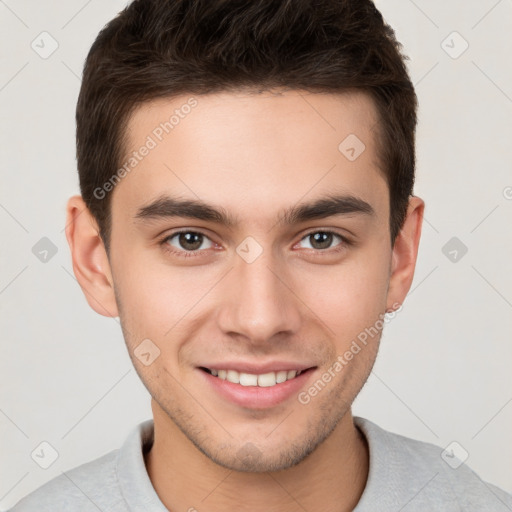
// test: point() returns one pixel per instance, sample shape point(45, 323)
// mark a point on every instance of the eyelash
point(345, 242)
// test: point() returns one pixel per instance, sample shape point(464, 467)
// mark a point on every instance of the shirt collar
point(134, 481)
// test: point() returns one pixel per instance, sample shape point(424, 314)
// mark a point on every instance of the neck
point(332, 478)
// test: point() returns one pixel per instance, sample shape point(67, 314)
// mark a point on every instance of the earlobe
point(405, 252)
point(90, 261)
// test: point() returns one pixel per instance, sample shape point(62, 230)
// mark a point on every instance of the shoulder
point(416, 475)
point(89, 487)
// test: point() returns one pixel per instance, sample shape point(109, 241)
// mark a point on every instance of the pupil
point(190, 241)
point(322, 240)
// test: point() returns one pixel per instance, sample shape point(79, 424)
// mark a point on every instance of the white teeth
point(263, 380)
point(247, 379)
point(281, 376)
point(233, 376)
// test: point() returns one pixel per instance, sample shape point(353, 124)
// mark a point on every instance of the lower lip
point(256, 397)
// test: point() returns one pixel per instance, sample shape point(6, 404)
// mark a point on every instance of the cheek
point(158, 300)
point(147, 296)
point(350, 296)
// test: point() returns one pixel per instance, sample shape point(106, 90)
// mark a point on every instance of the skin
point(254, 155)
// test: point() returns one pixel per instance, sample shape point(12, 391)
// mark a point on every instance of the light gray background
point(443, 373)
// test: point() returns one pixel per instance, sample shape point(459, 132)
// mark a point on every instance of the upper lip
point(257, 368)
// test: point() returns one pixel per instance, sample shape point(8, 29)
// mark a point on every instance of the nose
point(259, 304)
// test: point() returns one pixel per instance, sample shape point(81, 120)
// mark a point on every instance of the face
point(249, 250)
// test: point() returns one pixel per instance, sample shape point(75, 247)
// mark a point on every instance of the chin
point(250, 459)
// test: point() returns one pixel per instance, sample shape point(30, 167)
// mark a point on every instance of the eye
point(188, 241)
point(321, 240)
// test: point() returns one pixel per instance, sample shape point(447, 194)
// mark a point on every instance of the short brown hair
point(164, 48)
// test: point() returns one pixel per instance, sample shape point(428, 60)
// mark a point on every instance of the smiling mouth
point(263, 380)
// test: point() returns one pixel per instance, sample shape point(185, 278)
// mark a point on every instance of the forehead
point(252, 153)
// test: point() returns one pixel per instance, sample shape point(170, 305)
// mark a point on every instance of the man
point(246, 170)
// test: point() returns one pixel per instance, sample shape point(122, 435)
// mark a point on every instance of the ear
point(90, 260)
point(405, 252)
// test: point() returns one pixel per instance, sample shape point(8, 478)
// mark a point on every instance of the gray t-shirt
point(405, 475)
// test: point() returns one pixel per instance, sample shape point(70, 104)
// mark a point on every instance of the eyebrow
point(169, 207)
